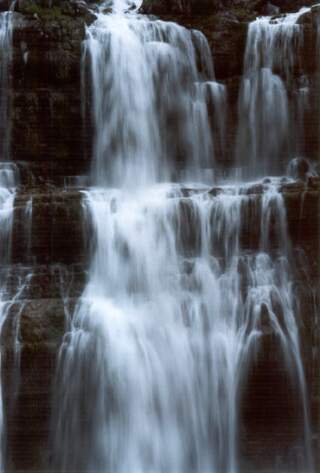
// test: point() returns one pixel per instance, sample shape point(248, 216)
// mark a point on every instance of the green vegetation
point(53, 13)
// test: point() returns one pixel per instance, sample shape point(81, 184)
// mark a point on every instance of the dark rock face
point(42, 324)
point(51, 275)
point(212, 6)
point(46, 89)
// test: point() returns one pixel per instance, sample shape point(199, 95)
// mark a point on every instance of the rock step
point(49, 226)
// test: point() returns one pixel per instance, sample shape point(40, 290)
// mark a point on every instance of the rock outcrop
point(49, 136)
point(248, 7)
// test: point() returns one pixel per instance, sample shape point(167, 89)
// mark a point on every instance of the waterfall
point(153, 111)
point(187, 284)
point(269, 130)
point(157, 353)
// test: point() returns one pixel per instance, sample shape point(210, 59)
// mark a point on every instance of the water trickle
point(8, 182)
point(28, 227)
point(6, 221)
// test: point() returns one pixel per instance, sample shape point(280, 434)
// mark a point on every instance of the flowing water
point(186, 282)
point(151, 108)
point(270, 130)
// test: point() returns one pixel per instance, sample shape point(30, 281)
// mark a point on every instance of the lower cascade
point(171, 319)
point(190, 286)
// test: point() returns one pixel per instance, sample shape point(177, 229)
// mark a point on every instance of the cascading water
point(157, 352)
point(270, 130)
point(152, 111)
point(177, 302)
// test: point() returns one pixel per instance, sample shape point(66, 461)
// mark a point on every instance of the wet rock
point(46, 88)
point(215, 191)
point(254, 189)
point(54, 215)
point(293, 187)
point(197, 7)
point(292, 5)
point(53, 10)
point(265, 324)
point(314, 182)
point(42, 324)
point(269, 9)
point(74, 8)
point(304, 222)
point(299, 168)
point(243, 7)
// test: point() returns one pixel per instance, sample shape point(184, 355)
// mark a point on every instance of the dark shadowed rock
point(4, 5)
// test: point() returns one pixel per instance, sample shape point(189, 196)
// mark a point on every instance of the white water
point(270, 131)
point(149, 108)
point(178, 301)
point(167, 327)
point(28, 226)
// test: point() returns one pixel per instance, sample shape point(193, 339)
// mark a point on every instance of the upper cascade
point(154, 99)
point(274, 95)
